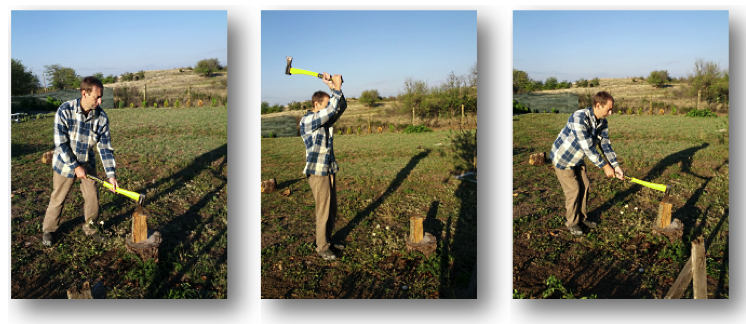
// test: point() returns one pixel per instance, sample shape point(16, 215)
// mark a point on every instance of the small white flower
point(625, 206)
point(621, 212)
point(387, 228)
point(101, 222)
point(378, 226)
point(635, 208)
point(374, 234)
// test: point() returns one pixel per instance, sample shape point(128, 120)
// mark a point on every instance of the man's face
point(603, 111)
point(90, 101)
point(320, 105)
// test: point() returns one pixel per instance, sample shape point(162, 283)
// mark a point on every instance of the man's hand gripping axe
point(289, 70)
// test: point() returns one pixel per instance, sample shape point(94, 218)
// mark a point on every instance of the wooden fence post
point(699, 270)
point(462, 115)
point(699, 97)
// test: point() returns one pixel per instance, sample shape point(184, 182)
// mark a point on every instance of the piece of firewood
point(537, 159)
point(139, 225)
point(415, 229)
point(664, 213)
point(47, 157)
point(269, 186)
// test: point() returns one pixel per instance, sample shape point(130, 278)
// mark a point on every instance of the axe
point(289, 70)
point(139, 198)
point(660, 187)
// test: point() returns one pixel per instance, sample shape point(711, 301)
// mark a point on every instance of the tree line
point(56, 76)
point(423, 100)
point(706, 78)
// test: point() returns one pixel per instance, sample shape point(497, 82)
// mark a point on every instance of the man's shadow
point(341, 234)
point(684, 157)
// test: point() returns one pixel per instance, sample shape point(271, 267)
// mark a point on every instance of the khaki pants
point(575, 184)
point(325, 194)
point(61, 187)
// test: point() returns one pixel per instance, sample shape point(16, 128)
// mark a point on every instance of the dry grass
point(172, 84)
point(638, 94)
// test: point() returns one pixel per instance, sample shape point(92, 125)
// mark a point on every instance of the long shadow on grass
point(684, 157)
point(343, 232)
point(189, 226)
point(18, 150)
point(600, 271)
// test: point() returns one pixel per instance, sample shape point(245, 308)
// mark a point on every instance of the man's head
point(319, 100)
point(91, 92)
point(603, 104)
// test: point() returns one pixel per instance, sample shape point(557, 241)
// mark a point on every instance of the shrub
point(700, 113)
point(629, 111)
point(177, 103)
point(207, 66)
point(369, 97)
point(349, 130)
point(417, 129)
point(132, 105)
point(189, 103)
point(199, 103)
point(639, 111)
point(582, 83)
point(165, 104)
point(121, 104)
point(155, 105)
point(214, 102)
point(519, 108)
point(659, 78)
point(661, 112)
point(673, 110)
point(144, 103)
point(358, 130)
point(391, 128)
point(594, 83)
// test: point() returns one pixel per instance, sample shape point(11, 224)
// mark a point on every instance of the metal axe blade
point(290, 70)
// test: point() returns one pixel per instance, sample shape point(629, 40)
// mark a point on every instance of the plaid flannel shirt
point(318, 135)
point(579, 138)
point(75, 135)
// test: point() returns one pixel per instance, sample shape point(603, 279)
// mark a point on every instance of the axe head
point(665, 195)
point(290, 61)
point(141, 200)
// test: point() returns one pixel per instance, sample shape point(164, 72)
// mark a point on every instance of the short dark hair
point(89, 82)
point(603, 98)
point(318, 96)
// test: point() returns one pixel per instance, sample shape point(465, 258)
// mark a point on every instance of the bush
point(582, 83)
point(200, 103)
point(659, 78)
point(391, 128)
point(594, 83)
point(519, 108)
point(369, 97)
point(207, 66)
point(673, 110)
point(121, 104)
point(165, 104)
point(144, 103)
point(700, 113)
point(132, 105)
point(417, 129)
point(214, 102)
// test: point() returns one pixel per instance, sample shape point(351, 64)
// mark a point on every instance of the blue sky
point(371, 49)
point(616, 44)
point(118, 41)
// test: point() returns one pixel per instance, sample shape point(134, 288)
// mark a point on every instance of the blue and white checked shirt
point(579, 139)
point(318, 135)
point(75, 135)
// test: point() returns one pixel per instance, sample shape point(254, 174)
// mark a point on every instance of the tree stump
point(674, 230)
point(427, 245)
point(537, 159)
point(269, 186)
point(47, 157)
point(418, 240)
point(146, 249)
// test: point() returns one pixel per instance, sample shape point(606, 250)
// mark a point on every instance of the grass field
point(622, 257)
point(383, 180)
point(178, 158)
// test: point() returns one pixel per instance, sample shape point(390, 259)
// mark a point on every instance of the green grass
point(383, 180)
point(691, 154)
point(178, 158)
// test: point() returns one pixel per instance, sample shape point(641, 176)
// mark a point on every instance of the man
point(585, 129)
point(318, 135)
point(79, 125)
